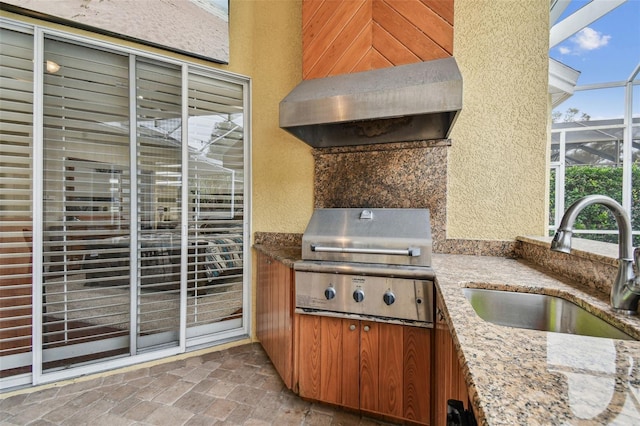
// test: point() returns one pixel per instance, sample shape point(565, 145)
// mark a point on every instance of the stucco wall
point(282, 164)
point(497, 174)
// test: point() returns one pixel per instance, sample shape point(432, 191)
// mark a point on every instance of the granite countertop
point(529, 377)
point(518, 376)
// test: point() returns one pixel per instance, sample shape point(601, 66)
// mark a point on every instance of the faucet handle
point(636, 257)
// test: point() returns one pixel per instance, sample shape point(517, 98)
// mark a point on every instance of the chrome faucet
point(625, 291)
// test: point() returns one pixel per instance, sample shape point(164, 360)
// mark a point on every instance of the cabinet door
point(309, 352)
point(395, 371)
point(369, 367)
point(350, 364)
point(376, 367)
point(274, 314)
point(418, 343)
point(381, 368)
point(328, 351)
point(449, 379)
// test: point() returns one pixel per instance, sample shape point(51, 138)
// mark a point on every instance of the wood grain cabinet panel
point(379, 368)
point(449, 379)
point(328, 353)
point(417, 380)
point(274, 314)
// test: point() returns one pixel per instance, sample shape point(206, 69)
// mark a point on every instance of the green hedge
point(605, 180)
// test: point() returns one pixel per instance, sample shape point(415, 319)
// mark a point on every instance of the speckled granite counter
point(529, 377)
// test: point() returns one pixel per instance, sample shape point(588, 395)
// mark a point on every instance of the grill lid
point(383, 236)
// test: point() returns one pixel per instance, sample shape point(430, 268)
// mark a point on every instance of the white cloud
point(590, 39)
point(583, 41)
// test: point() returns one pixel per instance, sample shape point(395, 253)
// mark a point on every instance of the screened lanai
point(596, 142)
point(595, 135)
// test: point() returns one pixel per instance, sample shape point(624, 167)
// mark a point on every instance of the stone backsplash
point(592, 264)
point(394, 175)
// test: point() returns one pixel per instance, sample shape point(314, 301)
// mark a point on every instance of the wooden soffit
point(341, 37)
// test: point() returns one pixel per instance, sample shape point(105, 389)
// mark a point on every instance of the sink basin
point(539, 312)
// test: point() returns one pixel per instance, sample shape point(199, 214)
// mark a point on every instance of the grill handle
point(411, 251)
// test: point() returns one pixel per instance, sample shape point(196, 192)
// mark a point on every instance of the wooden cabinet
point(274, 312)
point(375, 367)
point(449, 381)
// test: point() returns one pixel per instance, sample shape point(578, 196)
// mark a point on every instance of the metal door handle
point(411, 251)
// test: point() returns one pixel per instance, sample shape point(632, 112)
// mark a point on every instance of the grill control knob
point(330, 293)
point(358, 295)
point(389, 297)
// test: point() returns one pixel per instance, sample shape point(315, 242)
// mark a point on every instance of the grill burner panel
point(382, 297)
point(368, 263)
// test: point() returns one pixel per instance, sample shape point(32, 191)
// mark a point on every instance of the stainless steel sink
point(539, 312)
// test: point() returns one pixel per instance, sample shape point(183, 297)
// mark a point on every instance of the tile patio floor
point(237, 386)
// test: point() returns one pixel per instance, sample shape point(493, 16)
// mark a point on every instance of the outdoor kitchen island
point(518, 376)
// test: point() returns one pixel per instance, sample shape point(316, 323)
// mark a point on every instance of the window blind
point(16, 120)
point(159, 158)
point(86, 290)
point(216, 174)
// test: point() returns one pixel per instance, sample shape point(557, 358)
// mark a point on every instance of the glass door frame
point(226, 334)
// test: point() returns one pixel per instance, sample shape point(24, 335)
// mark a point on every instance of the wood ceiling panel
point(339, 31)
point(443, 8)
point(402, 29)
point(426, 20)
point(322, 15)
point(356, 35)
point(355, 58)
point(309, 9)
point(391, 48)
point(377, 61)
point(349, 46)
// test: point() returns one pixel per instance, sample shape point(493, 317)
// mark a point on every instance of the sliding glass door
point(159, 237)
point(86, 175)
point(140, 236)
point(215, 206)
point(16, 202)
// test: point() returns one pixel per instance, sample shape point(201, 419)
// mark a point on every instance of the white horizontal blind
point(96, 305)
point(16, 121)
point(159, 158)
point(86, 291)
point(216, 174)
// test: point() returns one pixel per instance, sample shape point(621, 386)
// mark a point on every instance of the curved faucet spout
point(625, 292)
point(565, 230)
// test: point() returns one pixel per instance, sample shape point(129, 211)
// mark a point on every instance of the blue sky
point(607, 50)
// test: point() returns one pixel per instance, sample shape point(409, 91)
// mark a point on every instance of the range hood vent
point(413, 102)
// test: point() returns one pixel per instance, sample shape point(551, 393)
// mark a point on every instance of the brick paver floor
point(237, 386)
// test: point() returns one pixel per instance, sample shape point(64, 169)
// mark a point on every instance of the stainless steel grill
point(368, 263)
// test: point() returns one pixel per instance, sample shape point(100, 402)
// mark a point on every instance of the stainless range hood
point(419, 101)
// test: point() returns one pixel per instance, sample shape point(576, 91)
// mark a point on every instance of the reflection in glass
point(159, 160)
point(86, 182)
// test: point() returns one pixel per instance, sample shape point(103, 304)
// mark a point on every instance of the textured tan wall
point(498, 159)
point(282, 164)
